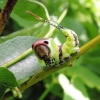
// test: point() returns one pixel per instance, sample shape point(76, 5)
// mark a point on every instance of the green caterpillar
point(51, 53)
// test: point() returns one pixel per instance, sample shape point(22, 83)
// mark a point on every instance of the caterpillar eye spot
point(68, 44)
point(69, 39)
point(46, 42)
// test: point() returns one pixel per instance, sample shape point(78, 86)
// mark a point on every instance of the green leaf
point(2, 89)
point(38, 30)
point(7, 80)
point(73, 24)
point(70, 91)
point(15, 47)
point(56, 90)
point(2, 2)
point(24, 19)
point(79, 85)
point(92, 30)
point(86, 75)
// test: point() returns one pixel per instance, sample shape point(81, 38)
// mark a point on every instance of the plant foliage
point(80, 82)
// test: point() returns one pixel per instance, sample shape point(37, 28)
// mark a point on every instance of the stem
point(5, 13)
point(50, 33)
point(46, 92)
point(23, 55)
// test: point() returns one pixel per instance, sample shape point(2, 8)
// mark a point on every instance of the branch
point(45, 72)
point(5, 13)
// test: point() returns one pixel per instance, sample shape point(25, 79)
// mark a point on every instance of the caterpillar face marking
point(52, 54)
point(41, 49)
point(43, 52)
point(46, 42)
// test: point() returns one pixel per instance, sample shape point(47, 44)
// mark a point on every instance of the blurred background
point(80, 82)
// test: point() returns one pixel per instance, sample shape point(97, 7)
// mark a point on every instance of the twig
point(5, 13)
point(41, 74)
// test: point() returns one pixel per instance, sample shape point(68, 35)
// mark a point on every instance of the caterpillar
point(51, 53)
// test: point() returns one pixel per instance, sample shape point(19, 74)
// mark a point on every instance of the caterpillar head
point(41, 49)
point(47, 50)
